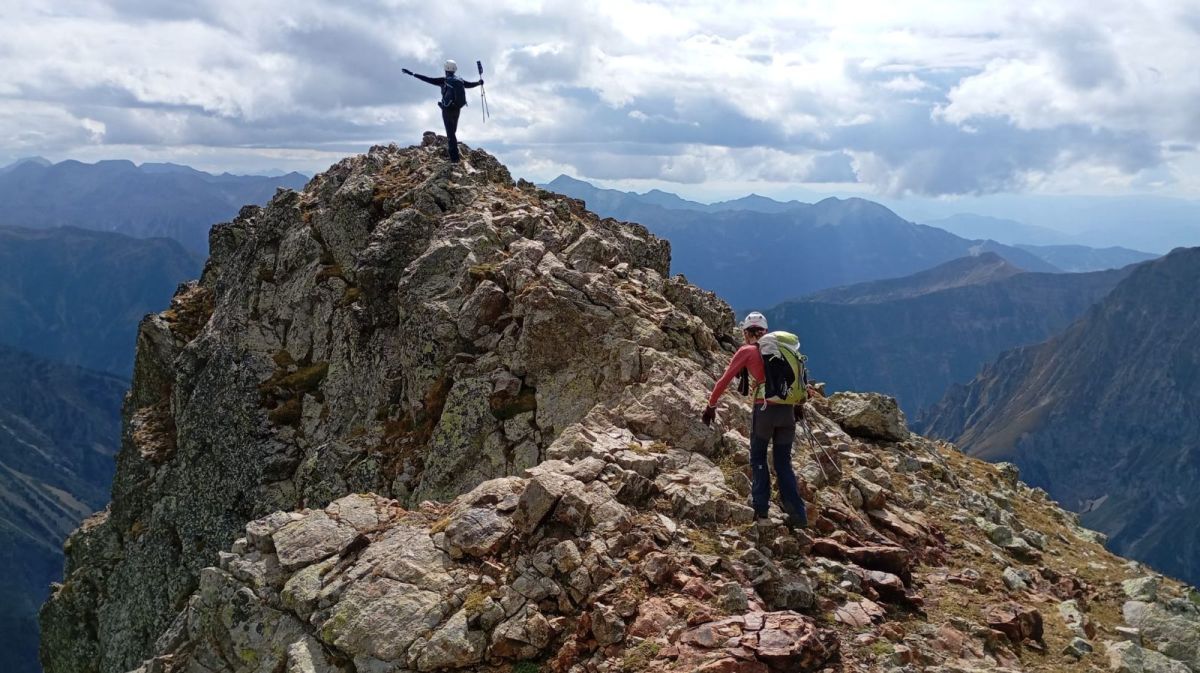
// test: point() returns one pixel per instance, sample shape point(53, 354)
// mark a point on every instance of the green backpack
point(784, 367)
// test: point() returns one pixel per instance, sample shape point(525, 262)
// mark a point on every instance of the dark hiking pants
point(776, 423)
point(450, 119)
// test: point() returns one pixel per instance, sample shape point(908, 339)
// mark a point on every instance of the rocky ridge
point(440, 421)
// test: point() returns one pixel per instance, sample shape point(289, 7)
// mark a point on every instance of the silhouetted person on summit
point(454, 99)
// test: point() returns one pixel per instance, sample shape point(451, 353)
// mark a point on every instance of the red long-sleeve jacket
point(749, 357)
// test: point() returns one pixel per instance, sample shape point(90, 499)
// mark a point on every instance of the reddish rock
point(860, 613)
point(732, 665)
point(892, 631)
point(654, 618)
point(1016, 621)
point(888, 586)
point(696, 588)
point(895, 560)
point(658, 568)
point(791, 642)
point(714, 634)
point(892, 521)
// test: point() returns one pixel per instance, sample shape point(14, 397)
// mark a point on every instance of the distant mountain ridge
point(1078, 258)
point(973, 270)
point(914, 337)
point(76, 296)
point(1010, 232)
point(758, 259)
point(150, 200)
point(60, 427)
point(1048, 250)
point(1106, 415)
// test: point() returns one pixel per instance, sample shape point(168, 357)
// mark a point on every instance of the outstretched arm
point(436, 81)
point(472, 85)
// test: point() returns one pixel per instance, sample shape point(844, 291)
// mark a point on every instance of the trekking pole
point(813, 440)
point(482, 94)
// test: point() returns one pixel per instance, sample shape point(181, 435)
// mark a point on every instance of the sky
point(917, 99)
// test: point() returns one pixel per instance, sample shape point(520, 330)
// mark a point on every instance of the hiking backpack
point(784, 367)
point(454, 93)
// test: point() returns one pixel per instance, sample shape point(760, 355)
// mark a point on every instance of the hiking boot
point(795, 523)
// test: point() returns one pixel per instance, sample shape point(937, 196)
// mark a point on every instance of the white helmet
point(451, 66)
point(755, 319)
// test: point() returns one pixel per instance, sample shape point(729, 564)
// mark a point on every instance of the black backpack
point(454, 93)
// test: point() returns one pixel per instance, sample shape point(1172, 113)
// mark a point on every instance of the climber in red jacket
point(768, 423)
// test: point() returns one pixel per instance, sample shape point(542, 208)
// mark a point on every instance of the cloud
point(907, 98)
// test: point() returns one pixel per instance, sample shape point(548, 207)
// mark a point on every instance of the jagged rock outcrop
point(421, 418)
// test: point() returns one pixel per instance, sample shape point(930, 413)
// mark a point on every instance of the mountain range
point(757, 259)
point(147, 200)
point(60, 427)
point(746, 249)
point(915, 336)
point(76, 295)
point(1106, 415)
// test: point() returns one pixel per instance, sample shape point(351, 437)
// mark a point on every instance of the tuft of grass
point(330, 271)
point(473, 604)
point(288, 413)
point(526, 667)
point(640, 656)
point(439, 525)
point(704, 542)
point(881, 648)
point(305, 379)
point(505, 407)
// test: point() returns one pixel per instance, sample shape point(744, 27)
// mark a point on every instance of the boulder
point(478, 531)
point(1141, 588)
point(869, 415)
point(311, 539)
point(1173, 628)
point(453, 645)
point(1127, 657)
point(541, 494)
point(1016, 621)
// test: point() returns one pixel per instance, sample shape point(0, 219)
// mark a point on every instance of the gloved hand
point(710, 413)
point(406, 71)
point(798, 410)
point(480, 81)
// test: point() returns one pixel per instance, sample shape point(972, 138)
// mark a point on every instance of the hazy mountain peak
point(32, 161)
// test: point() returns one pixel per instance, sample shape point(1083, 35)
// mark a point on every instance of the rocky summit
point(421, 417)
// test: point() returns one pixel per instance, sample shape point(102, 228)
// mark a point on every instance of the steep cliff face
point(442, 421)
point(59, 431)
point(1106, 416)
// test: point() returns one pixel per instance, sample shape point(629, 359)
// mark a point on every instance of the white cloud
point(925, 97)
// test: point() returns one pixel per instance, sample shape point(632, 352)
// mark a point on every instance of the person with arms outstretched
point(454, 99)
